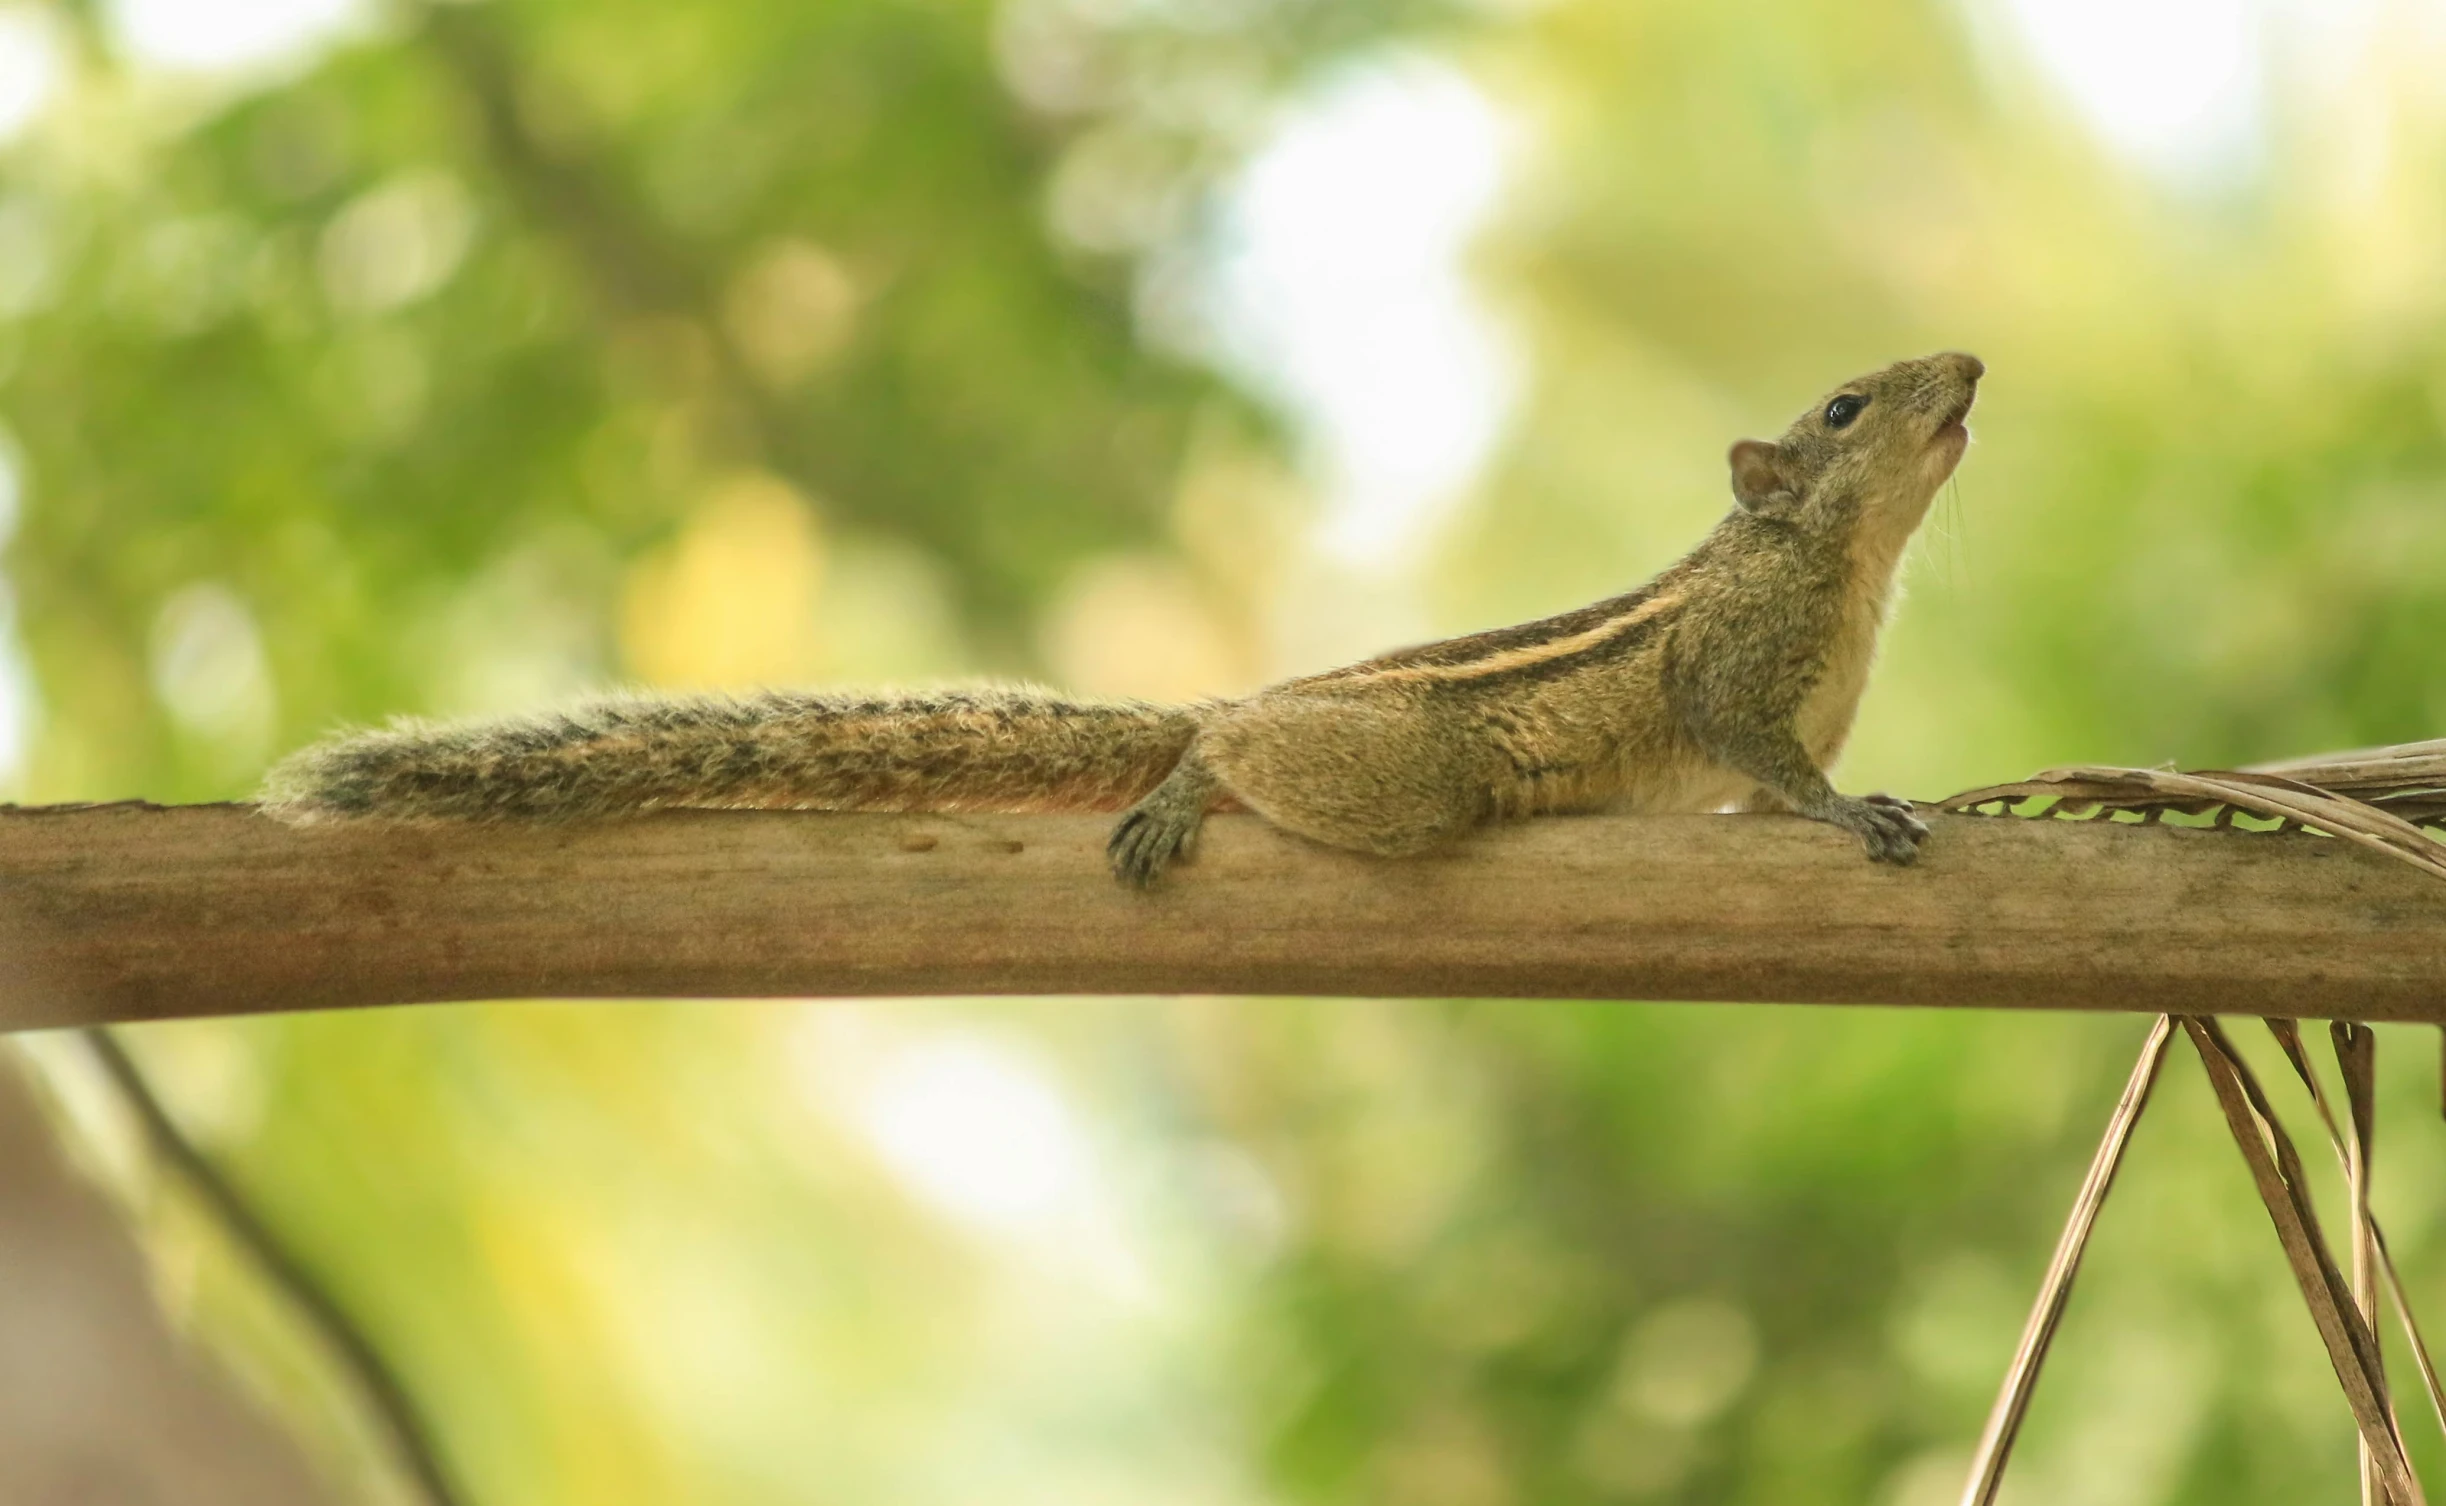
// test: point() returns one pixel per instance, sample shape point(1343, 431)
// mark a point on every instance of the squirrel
point(1727, 682)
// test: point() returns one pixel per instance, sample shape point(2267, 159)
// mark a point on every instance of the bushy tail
point(993, 749)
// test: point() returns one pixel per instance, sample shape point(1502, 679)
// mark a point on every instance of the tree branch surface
point(134, 912)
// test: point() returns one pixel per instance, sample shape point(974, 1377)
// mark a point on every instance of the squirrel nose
point(1970, 366)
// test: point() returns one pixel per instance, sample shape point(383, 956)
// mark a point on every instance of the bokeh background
point(366, 356)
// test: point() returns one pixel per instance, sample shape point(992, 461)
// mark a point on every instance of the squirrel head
point(1870, 454)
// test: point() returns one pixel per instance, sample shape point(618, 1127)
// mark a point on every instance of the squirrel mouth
point(1953, 423)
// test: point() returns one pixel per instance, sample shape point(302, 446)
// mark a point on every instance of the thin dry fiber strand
point(2359, 1068)
point(2352, 1345)
point(2381, 798)
point(2357, 1059)
point(2021, 1378)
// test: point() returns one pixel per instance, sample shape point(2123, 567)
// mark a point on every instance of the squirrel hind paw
point(1147, 842)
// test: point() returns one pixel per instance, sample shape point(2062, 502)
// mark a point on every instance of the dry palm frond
point(2380, 798)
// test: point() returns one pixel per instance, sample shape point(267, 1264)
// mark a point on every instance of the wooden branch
point(120, 913)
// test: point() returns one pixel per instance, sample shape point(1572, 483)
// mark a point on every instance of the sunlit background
point(363, 357)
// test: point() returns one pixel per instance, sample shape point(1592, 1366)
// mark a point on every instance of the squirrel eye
point(1843, 410)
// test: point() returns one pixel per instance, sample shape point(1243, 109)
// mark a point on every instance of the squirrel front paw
point(1886, 825)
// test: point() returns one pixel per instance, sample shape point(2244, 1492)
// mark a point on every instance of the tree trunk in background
point(101, 1403)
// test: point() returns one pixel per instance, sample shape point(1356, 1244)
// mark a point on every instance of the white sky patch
point(2183, 88)
point(2176, 85)
point(217, 36)
point(980, 1132)
point(1339, 281)
point(977, 1128)
point(30, 67)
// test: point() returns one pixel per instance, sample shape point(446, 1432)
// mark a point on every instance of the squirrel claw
point(1144, 844)
point(1163, 827)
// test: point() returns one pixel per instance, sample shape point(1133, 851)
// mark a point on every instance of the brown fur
point(1730, 679)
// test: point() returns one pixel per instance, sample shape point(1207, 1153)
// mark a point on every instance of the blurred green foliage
point(495, 350)
point(509, 289)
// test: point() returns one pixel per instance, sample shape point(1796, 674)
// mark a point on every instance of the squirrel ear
point(1758, 474)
